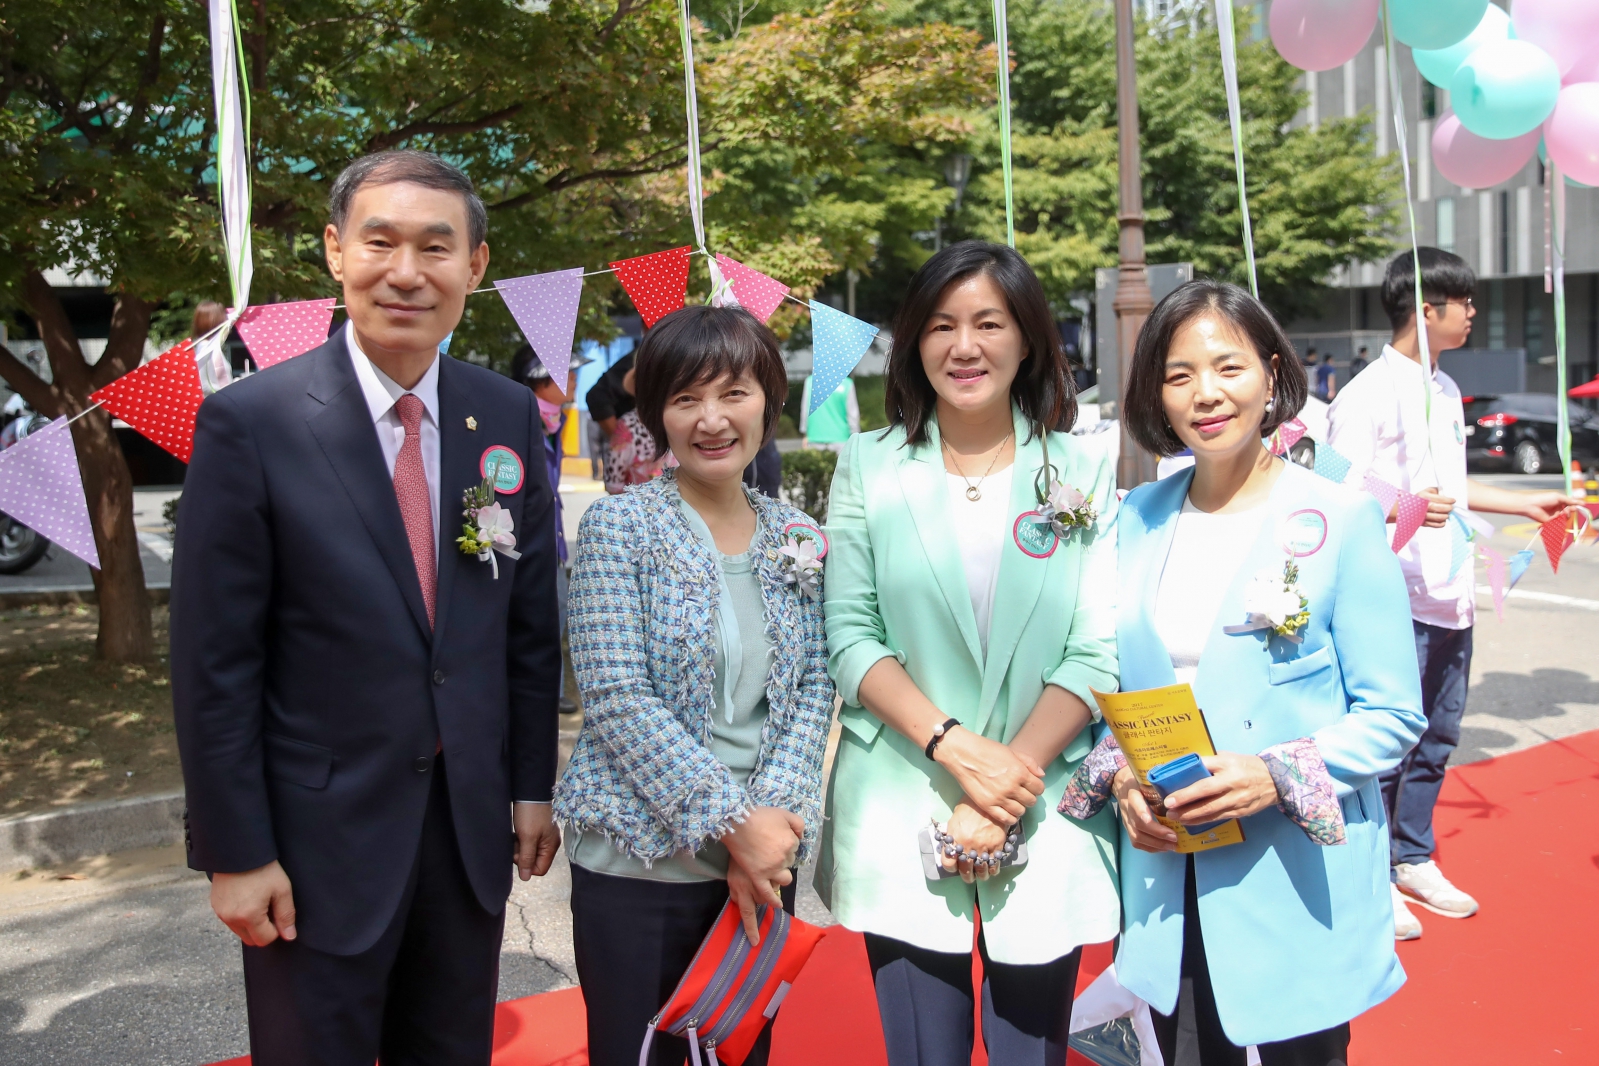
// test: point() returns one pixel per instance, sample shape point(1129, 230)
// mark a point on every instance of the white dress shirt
point(1379, 423)
point(381, 394)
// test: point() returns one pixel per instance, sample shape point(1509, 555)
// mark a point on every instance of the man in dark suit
point(365, 713)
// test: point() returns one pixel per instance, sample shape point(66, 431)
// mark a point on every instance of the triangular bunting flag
point(444, 345)
point(1517, 566)
point(837, 343)
point(40, 486)
point(754, 291)
point(1386, 494)
point(1459, 545)
point(159, 399)
point(1557, 537)
point(1496, 577)
point(1330, 462)
point(275, 332)
point(1291, 431)
point(1408, 518)
point(545, 309)
point(657, 283)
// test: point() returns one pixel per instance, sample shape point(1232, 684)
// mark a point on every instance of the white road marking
point(1543, 597)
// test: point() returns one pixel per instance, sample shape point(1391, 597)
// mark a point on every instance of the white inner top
point(1206, 554)
point(981, 526)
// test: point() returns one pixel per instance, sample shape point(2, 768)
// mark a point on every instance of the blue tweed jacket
point(642, 622)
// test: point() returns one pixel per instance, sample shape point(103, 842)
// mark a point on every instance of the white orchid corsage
point(489, 527)
point(1069, 509)
point(800, 557)
point(1273, 601)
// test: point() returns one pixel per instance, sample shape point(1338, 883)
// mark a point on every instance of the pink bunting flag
point(755, 292)
point(1408, 518)
point(276, 332)
point(1386, 494)
point(545, 309)
point(1292, 431)
point(657, 283)
point(159, 399)
point(1497, 571)
point(40, 486)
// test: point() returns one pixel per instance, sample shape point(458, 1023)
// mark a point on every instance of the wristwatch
point(938, 735)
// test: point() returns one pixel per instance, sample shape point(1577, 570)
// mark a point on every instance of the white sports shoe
point(1425, 884)
point(1406, 925)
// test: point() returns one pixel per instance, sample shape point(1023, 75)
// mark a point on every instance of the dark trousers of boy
point(1410, 790)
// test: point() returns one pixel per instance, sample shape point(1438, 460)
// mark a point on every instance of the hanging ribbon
point(1396, 96)
point(696, 187)
point(233, 177)
point(1558, 249)
point(1002, 45)
point(1229, 73)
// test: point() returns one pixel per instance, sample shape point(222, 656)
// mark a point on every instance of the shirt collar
point(381, 392)
point(1403, 364)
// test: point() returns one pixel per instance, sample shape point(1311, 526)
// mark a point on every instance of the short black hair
point(527, 367)
point(1144, 412)
point(417, 168)
point(1444, 277)
point(699, 344)
point(1043, 387)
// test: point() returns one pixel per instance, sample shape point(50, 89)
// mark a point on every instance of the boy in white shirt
point(1380, 422)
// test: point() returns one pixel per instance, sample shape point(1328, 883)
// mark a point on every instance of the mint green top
point(735, 738)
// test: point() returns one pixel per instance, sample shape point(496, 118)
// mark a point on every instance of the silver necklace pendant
point(973, 493)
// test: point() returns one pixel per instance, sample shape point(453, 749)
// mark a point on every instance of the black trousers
point(634, 939)
point(423, 994)
point(926, 1002)
point(1329, 1047)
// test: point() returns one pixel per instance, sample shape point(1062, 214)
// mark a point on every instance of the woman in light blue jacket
point(1273, 592)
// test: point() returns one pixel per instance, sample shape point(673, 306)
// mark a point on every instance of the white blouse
point(980, 530)
point(1206, 554)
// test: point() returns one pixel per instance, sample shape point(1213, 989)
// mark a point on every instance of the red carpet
point(1517, 983)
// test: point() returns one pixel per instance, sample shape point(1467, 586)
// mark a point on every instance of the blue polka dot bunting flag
point(1331, 463)
point(1459, 544)
point(40, 487)
point(1518, 565)
point(837, 342)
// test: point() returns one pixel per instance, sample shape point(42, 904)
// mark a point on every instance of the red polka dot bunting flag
point(1557, 536)
point(275, 332)
point(657, 283)
point(40, 486)
point(160, 399)
point(1408, 518)
point(755, 292)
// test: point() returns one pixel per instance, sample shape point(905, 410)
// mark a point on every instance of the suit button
point(422, 765)
point(438, 677)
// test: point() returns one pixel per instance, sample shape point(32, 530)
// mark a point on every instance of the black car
point(1518, 430)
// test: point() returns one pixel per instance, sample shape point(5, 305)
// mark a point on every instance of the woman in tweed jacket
point(698, 643)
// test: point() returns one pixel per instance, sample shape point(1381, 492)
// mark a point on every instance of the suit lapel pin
point(471, 423)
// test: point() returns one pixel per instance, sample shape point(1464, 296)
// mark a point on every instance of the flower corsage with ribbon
point(1272, 601)
point(800, 558)
point(1068, 509)
point(489, 527)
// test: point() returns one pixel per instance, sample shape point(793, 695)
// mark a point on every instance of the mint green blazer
point(895, 587)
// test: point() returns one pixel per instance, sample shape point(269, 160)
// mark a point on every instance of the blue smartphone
point(1177, 775)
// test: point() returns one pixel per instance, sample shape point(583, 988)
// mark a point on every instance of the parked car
point(1517, 430)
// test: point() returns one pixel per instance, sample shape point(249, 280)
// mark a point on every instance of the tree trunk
point(125, 632)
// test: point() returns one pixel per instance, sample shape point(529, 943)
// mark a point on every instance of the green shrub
point(807, 476)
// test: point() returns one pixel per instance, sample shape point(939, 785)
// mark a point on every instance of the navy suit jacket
point(309, 692)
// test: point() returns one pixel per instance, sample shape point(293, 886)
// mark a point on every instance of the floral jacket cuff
point(1305, 790)
point(1089, 789)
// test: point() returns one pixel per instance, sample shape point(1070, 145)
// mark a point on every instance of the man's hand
point(1542, 506)
point(538, 838)
point(257, 905)
point(1438, 508)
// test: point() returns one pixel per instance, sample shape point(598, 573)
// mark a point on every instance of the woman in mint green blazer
point(1273, 592)
point(965, 632)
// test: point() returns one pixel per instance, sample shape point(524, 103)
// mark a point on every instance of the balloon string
point(1558, 249)
point(1002, 46)
point(1398, 103)
point(1229, 73)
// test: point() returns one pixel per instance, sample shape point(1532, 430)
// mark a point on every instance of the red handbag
point(731, 989)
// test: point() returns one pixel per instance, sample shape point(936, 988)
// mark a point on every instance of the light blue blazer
point(1299, 936)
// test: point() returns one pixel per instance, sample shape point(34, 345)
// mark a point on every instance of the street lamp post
point(1133, 301)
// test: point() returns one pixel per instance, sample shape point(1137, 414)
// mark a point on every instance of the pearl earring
point(1271, 402)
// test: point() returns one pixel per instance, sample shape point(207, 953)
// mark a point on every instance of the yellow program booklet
point(1153, 726)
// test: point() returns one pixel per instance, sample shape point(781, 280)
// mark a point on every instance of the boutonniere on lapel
point(488, 528)
point(800, 556)
point(1272, 601)
point(1069, 509)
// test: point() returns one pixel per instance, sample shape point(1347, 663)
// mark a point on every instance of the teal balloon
point(1543, 157)
point(1505, 89)
point(1439, 65)
point(1435, 23)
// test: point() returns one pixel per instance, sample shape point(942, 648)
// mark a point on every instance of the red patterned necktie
point(411, 489)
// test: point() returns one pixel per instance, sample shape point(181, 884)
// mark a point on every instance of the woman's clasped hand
point(764, 848)
point(1238, 786)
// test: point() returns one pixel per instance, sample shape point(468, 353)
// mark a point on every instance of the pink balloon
point(1572, 132)
point(1474, 162)
point(1321, 34)
point(1566, 29)
point(1586, 68)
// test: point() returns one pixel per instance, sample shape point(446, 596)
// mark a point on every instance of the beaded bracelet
point(946, 846)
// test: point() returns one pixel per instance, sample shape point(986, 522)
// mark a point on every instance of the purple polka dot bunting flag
point(755, 292)
point(657, 283)
point(276, 332)
point(40, 487)
point(837, 343)
point(545, 309)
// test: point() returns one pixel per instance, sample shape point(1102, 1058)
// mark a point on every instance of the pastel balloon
point(1435, 23)
point(1586, 68)
point(1439, 65)
point(1543, 157)
point(1572, 132)
point(1321, 34)
point(1474, 162)
point(1567, 29)
point(1505, 89)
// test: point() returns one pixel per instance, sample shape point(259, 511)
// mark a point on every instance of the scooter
point(20, 546)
